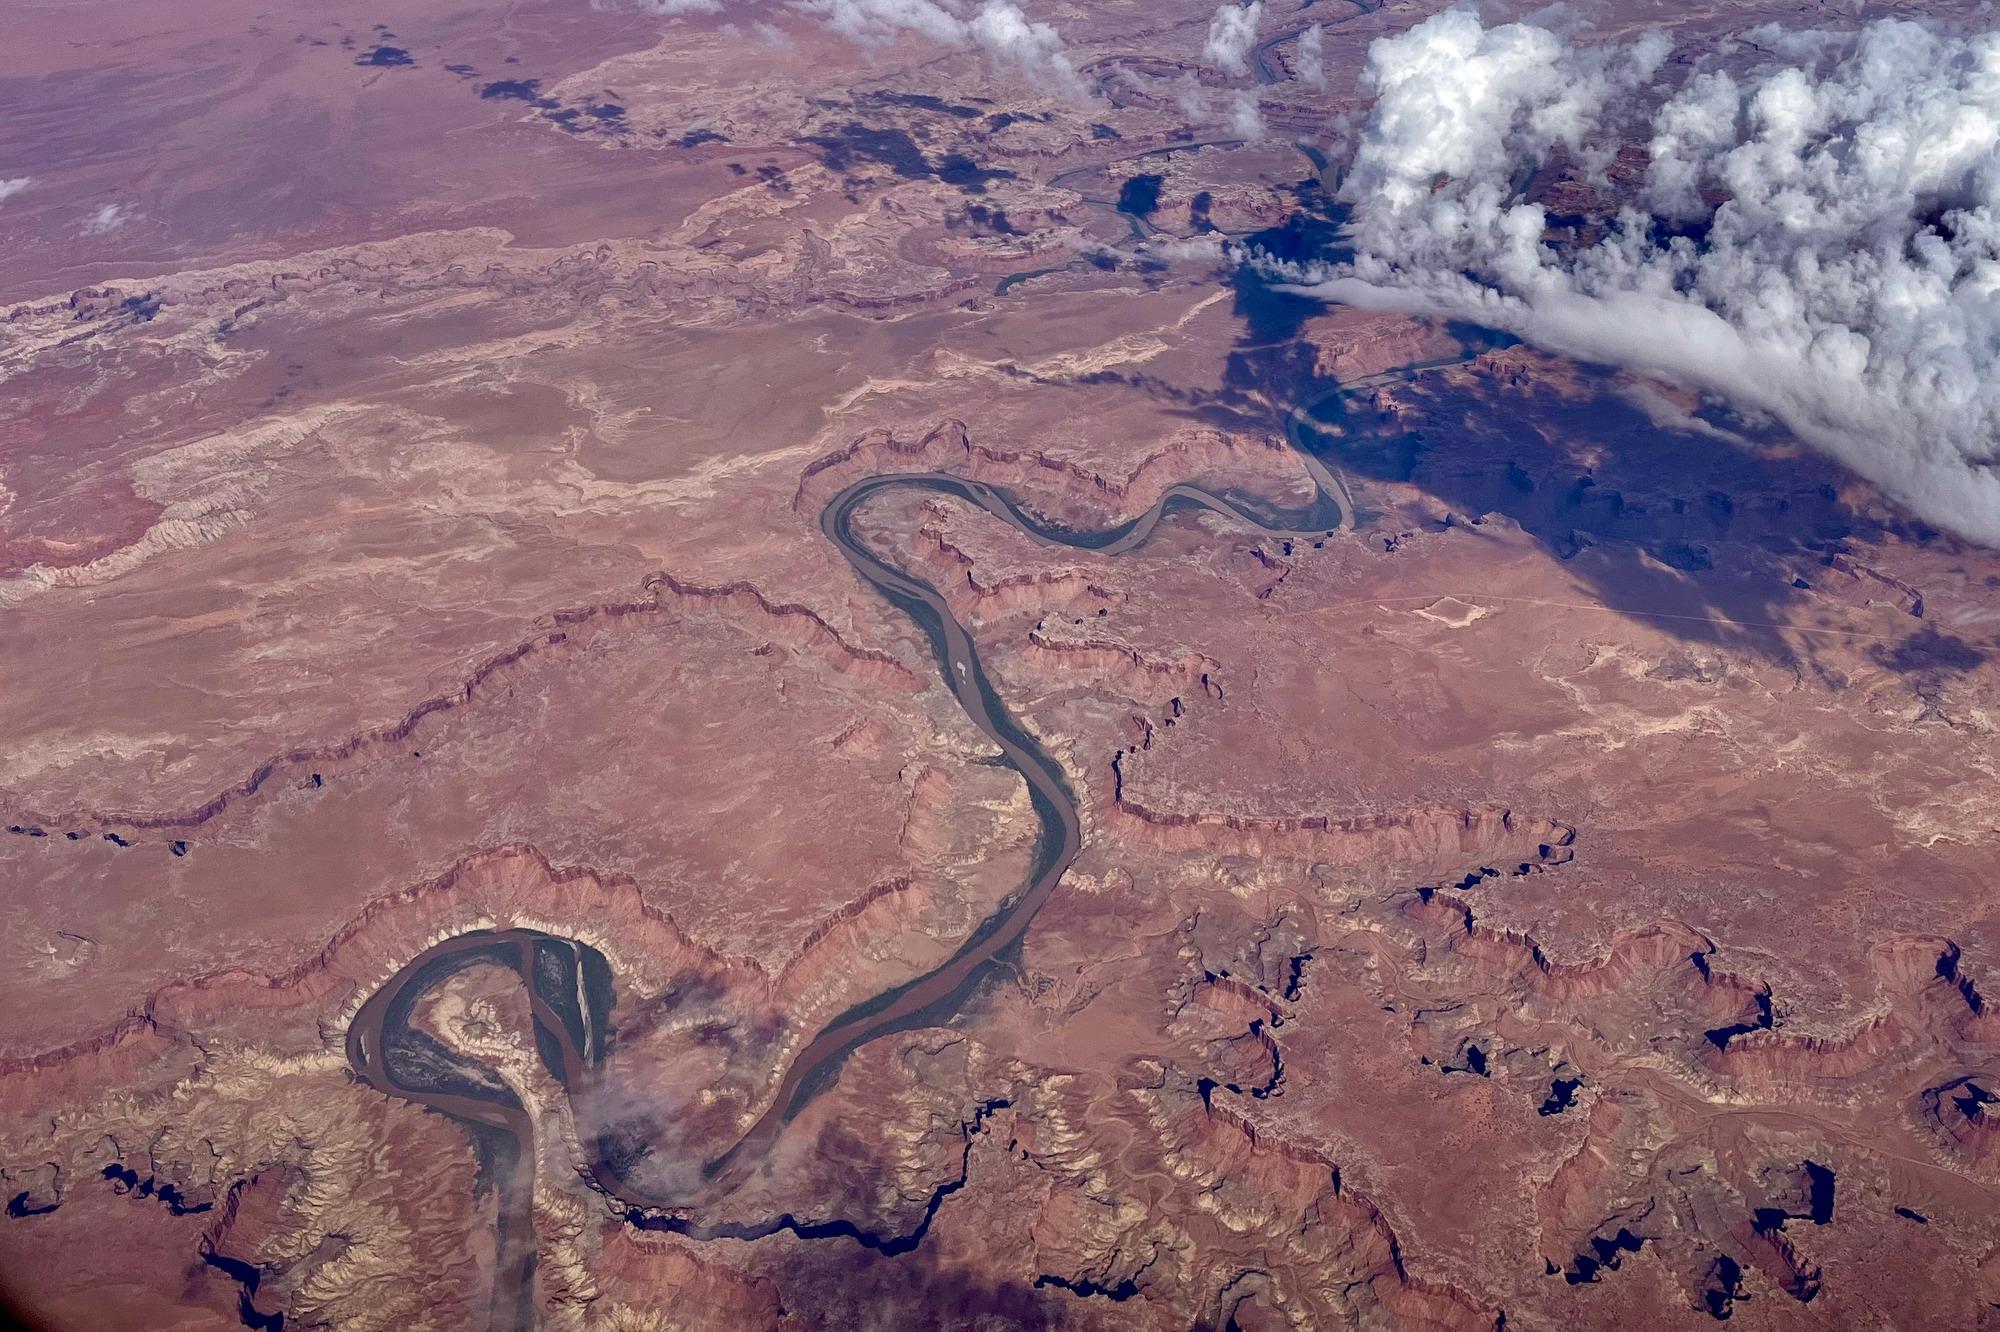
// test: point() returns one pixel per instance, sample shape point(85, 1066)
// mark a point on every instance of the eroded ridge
point(792, 622)
point(928, 999)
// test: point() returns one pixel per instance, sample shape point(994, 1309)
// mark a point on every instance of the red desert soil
point(1549, 888)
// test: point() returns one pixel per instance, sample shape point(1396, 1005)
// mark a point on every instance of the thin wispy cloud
point(107, 218)
point(1246, 119)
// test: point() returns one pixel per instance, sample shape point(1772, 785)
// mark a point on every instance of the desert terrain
point(692, 666)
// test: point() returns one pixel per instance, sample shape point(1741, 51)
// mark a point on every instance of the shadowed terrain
point(666, 673)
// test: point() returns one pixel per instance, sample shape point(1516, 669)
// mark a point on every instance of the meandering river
point(569, 986)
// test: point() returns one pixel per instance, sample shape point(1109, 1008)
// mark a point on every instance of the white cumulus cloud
point(1816, 237)
point(1311, 57)
point(12, 186)
point(1209, 247)
point(1231, 34)
point(1000, 30)
point(1006, 36)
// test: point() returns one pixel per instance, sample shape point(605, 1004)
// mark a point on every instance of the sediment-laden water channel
point(570, 987)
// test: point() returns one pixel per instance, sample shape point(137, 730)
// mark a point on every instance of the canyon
point(661, 675)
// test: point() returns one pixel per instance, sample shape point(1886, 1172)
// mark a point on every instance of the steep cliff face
point(1420, 833)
